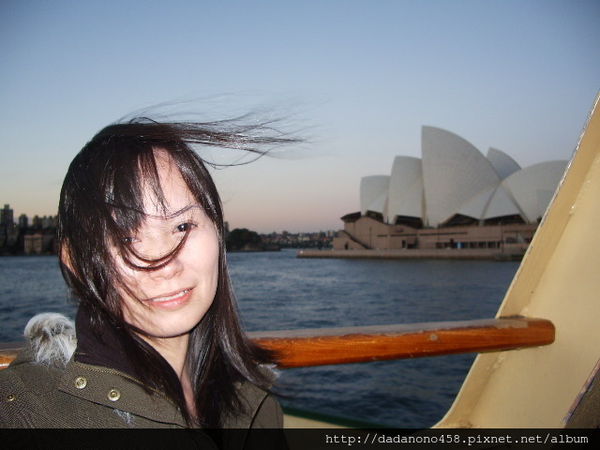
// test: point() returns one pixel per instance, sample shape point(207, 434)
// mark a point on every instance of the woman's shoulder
point(25, 383)
point(262, 410)
point(30, 380)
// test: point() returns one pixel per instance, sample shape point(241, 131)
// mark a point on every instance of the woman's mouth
point(171, 300)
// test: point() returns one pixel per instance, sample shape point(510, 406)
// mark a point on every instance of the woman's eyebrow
point(175, 213)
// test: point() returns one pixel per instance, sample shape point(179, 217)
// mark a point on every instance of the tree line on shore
point(42, 241)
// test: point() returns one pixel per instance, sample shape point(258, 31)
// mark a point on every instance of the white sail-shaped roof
point(501, 204)
point(489, 203)
point(532, 187)
point(475, 207)
point(453, 177)
point(405, 197)
point(373, 193)
point(454, 171)
point(502, 163)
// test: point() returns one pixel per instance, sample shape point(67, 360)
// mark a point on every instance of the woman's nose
point(173, 268)
point(158, 247)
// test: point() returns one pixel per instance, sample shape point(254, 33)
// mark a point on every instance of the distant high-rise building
point(49, 222)
point(6, 216)
point(36, 222)
point(23, 221)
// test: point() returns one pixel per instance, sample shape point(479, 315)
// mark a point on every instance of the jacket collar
point(100, 372)
point(107, 347)
point(101, 349)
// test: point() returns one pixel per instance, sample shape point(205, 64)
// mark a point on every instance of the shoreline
point(446, 253)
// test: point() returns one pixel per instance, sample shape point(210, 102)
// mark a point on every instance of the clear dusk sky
point(359, 78)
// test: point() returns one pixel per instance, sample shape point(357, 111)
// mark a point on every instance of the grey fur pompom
point(52, 337)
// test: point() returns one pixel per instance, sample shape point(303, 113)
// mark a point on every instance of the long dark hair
point(101, 203)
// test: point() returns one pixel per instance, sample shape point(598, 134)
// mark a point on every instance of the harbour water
point(276, 290)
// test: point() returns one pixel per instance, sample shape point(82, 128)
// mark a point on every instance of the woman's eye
point(128, 240)
point(185, 227)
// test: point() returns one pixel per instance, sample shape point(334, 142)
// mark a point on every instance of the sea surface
point(275, 290)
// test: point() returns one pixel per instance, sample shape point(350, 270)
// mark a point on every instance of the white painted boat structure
point(558, 280)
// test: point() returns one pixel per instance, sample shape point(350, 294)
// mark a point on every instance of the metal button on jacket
point(80, 382)
point(114, 395)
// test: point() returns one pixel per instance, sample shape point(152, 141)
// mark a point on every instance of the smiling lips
point(170, 301)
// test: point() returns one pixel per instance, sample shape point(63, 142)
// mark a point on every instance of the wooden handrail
point(8, 352)
point(321, 346)
point(315, 347)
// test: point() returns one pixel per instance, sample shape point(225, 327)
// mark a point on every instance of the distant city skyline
point(48, 220)
point(357, 78)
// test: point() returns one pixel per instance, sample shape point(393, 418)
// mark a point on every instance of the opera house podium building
point(453, 202)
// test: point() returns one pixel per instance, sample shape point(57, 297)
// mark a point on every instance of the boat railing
point(323, 346)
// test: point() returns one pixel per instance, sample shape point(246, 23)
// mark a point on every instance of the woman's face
point(170, 301)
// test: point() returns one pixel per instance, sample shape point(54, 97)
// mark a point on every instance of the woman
point(158, 341)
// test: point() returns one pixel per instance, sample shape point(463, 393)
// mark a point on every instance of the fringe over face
point(101, 203)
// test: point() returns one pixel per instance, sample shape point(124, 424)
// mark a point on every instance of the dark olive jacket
point(51, 394)
point(84, 396)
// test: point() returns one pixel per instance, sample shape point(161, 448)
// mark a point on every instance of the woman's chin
point(174, 326)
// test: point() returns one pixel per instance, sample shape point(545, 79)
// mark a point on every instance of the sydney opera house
point(454, 197)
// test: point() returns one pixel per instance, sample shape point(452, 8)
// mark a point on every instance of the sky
point(356, 79)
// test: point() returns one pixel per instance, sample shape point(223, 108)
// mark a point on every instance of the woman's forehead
point(173, 196)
